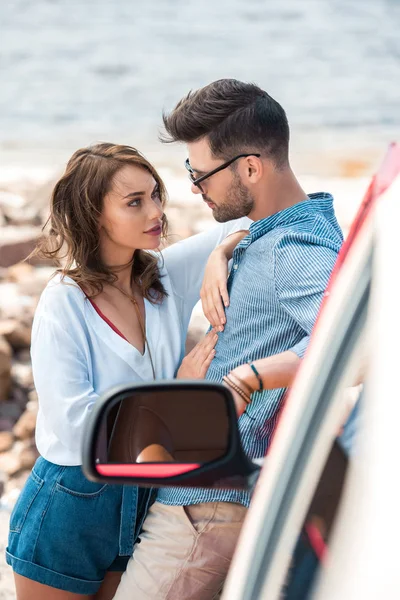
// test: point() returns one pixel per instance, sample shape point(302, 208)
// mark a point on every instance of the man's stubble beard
point(239, 203)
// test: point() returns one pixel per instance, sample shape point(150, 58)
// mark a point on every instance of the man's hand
point(240, 404)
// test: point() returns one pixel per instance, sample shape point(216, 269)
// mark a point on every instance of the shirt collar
point(318, 202)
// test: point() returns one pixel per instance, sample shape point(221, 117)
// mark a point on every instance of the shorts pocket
point(24, 503)
point(73, 482)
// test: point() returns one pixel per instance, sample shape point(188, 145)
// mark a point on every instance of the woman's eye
point(156, 194)
point(134, 202)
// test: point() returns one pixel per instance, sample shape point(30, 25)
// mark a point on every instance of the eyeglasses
point(197, 181)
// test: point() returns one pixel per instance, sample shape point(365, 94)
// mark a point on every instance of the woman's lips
point(155, 231)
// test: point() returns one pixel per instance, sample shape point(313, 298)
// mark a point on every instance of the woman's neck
point(121, 268)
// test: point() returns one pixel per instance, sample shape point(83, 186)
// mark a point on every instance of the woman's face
point(132, 212)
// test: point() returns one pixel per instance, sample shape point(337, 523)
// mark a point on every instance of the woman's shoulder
point(61, 296)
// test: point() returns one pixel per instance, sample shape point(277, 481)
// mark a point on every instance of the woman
point(115, 313)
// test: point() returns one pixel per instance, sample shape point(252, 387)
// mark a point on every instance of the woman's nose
point(156, 211)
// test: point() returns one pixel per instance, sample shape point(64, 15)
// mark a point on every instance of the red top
point(103, 316)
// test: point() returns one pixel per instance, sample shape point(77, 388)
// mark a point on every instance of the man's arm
point(302, 271)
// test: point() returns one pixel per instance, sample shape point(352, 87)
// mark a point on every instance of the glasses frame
point(197, 181)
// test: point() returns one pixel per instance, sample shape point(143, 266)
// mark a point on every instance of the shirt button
point(235, 266)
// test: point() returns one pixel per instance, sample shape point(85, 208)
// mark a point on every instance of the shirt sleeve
point(60, 372)
point(185, 261)
point(302, 271)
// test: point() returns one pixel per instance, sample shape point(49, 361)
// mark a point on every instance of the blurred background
point(73, 73)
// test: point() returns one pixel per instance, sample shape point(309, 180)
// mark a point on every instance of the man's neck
point(281, 191)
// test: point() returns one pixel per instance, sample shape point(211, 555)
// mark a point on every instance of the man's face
point(224, 192)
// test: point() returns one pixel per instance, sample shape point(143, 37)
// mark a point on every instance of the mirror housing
point(170, 433)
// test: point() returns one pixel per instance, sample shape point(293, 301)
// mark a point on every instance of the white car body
point(362, 556)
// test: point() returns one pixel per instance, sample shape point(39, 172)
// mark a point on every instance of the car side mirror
point(169, 433)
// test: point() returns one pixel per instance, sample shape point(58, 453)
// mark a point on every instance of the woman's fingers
point(223, 290)
point(213, 308)
point(204, 346)
point(207, 363)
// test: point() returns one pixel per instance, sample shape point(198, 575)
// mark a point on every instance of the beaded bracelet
point(237, 389)
point(242, 384)
point(257, 374)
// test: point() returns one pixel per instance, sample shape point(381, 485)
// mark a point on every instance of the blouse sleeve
point(185, 261)
point(60, 372)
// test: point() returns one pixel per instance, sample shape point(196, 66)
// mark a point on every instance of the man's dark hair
point(235, 116)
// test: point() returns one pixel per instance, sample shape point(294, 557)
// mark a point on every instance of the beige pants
point(184, 552)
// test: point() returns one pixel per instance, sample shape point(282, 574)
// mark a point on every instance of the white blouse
point(77, 356)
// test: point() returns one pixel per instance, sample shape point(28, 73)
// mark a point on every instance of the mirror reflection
point(170, 426)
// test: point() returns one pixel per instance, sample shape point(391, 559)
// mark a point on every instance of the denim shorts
point(67, 531)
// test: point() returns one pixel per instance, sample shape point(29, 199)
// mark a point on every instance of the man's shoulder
point(315, 230)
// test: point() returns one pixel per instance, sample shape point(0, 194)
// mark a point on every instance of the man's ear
point(254, 169)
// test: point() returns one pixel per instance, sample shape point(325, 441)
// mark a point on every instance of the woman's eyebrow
point(133, 194)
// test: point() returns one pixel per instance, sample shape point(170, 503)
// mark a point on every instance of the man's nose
point(196, 189)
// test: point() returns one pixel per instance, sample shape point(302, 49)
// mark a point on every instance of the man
point(237, 138)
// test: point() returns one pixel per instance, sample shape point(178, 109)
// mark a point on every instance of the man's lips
point(209, 203)
point(155, 230)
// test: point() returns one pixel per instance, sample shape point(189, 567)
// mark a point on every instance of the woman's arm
point(185, 261)
point(214, 291)
point(60, 373)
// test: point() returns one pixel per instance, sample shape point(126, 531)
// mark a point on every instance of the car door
point(307, 430)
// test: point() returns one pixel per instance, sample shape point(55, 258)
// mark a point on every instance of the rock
point(14, 305)
point(21, 374)
point(16, 483)
point(23, 355)
point(5, 424)
point(33, 400)
point(6, 440)
point(10, 200)
point(17, 334)
point(33, 286)
point(25, 426)
point(19, 397)
point(16, 243)
point(28, 456)
point(20, 272)
point(5, 368)
point(10, 463)
point(10, 412)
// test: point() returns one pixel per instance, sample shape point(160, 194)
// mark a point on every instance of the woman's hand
point(196, 363)
point(214, 291)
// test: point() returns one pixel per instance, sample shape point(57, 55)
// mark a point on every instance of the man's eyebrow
point(198, 171)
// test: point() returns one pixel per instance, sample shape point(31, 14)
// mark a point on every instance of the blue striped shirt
point(279, 274)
